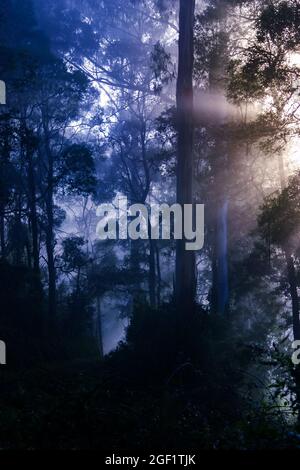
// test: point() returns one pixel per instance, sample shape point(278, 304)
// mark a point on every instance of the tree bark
point(220, 168)
point(2, 232)
point(50, 238)
point(99, 328)
point(158, 293)
point(185, 284)
point(3, 197)
point(152, 273)
point(32, 208)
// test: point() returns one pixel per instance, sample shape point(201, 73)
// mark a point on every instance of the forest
point(140, 343)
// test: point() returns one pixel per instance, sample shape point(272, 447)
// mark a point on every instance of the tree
point(279, 223)
point(185, 260)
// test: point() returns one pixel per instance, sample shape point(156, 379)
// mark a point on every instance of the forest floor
point(83, 404)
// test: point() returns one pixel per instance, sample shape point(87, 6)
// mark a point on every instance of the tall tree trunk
point(50, 245)
point(219, 162)
point(50, 238)
point(32, 209)
point(158, 291)
point(2, 231)
point(222, 261)
point(152, 274)
point(3, 196)
point(219, 257)
point(185, 283)
point(99, 327)
point(152, 271)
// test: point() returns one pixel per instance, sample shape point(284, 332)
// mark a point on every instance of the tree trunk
point(99, 328)
point(222, 261)
point(219, 163)
point(50, 238)
point(50, 244)
point(158, 293)
point(2, 232)
point(185, 284)
point(33, 209)
point(3, 196)
point(152, 271)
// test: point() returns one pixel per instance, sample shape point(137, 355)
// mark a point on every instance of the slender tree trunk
point(78, 288)
point(2, 232)
point(33, 211)
point(135, 268)
point(50, 239)
point(18, 252)
point(99, 328)
point(50, 245)
point(185, 283)
point(4, 160)
point(158, 275)
point(219, 257)
point(222, 261)
point(214, 268)
point(152, 272)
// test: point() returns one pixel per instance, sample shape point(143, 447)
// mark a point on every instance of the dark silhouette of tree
point(185, 260)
